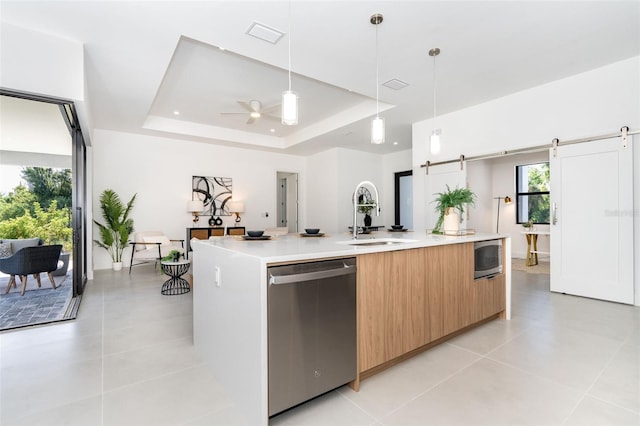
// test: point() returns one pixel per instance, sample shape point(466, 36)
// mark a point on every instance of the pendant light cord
point(289, 46)
point(434, 91)
point(377, 76)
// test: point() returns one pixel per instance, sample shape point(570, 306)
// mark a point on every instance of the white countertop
point(294, 247)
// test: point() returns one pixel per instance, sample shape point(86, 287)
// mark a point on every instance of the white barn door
point(592, 220)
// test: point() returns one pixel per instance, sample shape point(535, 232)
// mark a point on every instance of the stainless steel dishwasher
point(312, 330)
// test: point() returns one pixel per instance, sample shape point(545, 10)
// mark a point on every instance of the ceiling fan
point(255, 110)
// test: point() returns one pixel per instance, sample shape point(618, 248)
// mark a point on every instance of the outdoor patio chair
point(31, 260)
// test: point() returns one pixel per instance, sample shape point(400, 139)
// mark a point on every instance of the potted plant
point(114, 234)
point(528, 225)
point(447, 203)
point(365, 205)
point(173, 256)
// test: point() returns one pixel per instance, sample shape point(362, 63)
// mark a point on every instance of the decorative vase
point(451, 223)
point(367, 220)
point(117, 266)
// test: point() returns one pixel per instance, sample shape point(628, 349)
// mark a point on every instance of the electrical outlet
point(216, 276)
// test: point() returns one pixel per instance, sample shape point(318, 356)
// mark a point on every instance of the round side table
point(176, 284)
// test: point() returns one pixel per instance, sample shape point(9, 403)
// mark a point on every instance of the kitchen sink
point(376, 242)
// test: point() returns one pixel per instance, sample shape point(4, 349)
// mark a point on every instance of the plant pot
point(367, 220)
point(451, 223)
point(117, 266)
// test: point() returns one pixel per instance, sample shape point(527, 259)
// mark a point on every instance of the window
point(532, 193)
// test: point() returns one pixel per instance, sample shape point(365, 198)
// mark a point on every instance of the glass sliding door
point(78, 179)
point(78, 209)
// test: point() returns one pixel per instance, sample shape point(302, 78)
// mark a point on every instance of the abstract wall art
point(215, 193)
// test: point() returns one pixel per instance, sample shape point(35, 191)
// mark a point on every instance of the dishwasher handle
point(309, 276)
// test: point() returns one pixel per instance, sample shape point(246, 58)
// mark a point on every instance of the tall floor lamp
point(507, 200)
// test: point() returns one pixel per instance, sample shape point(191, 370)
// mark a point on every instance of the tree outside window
point(532, 193)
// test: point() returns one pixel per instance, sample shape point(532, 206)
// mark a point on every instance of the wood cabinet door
point(417, 321)
point(460, 298)
point(392, 293)
point(371, 310)
point(491, 295)
point(434, 318)
point(199, 233)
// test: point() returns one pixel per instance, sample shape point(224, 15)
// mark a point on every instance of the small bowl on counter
point(255, 234)
point(311, 231)
point(397, 227)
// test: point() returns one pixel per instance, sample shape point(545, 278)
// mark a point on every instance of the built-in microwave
point(487, 258)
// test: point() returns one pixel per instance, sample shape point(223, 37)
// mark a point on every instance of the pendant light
point(435, 133)
point(377, 124)
point(289, 113)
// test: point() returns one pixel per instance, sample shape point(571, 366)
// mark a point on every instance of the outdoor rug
point(519, 265)
point(39, 305)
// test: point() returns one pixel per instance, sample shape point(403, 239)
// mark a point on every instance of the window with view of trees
point(532, 193)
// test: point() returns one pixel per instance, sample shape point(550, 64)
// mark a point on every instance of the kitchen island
point(412, 293)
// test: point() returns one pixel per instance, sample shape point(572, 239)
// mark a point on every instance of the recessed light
point(265, 33)
point(176, 112)
point(395, 84)
point(395, 143)
point(272, 130)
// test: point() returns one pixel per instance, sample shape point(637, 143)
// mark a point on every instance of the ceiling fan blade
point(251, 120)
point(245, 105)
point(271, 108)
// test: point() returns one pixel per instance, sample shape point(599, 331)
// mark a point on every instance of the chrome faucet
point(356, 204)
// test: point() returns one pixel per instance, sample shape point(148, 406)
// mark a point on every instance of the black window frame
point(528, 193)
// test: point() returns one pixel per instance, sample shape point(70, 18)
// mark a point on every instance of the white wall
point(320, 191)
point(594, 103)
point(159, 170)
point(334, 174)
point(41, 63)
point(479, 180)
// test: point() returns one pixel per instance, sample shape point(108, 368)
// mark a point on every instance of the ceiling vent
point(395, 84)
point(265, 33)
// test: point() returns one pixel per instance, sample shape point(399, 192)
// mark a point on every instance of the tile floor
point(38, 305)
point(129, 360)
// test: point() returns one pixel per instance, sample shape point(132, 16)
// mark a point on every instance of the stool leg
point(37, 277)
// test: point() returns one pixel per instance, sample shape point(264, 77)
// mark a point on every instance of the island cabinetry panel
point(408, 299)
point(392, 294)
point(389, 297)
point(460, 295)
point(491, 295)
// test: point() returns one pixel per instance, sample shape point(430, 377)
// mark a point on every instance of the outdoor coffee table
point(176, 284)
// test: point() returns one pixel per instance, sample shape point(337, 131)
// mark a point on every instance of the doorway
point(404, 198)
point(287, 201)
point(39, 154)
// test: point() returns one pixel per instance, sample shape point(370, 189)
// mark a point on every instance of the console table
point(202, 234)
point(532, 246)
